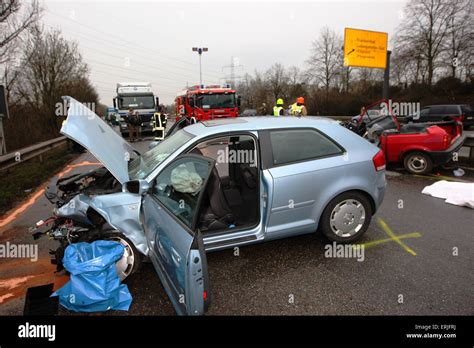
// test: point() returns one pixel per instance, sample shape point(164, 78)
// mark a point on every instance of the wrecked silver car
point(91, 206)
point(225, 183)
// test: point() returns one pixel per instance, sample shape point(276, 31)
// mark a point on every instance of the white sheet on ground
point(457, 193)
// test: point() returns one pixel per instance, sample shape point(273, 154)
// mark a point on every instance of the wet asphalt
point(293, 277)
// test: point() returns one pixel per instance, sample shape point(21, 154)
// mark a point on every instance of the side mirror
point(115, 103)
point(239, 101)
point(139, 187)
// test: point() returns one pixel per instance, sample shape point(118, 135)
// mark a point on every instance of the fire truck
point(200, 103)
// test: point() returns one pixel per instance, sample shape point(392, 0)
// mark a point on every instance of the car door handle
point(175, 256)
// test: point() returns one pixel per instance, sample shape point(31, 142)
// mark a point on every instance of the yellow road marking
point(394, 237)
point(381, 241)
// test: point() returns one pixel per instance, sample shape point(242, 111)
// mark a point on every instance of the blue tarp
point(94, 285)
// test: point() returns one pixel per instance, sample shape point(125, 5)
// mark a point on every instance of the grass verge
point(17, 182)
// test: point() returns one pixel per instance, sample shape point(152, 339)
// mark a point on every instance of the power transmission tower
point(234, 64)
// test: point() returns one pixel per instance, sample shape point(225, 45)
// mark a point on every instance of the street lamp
point(200, 50)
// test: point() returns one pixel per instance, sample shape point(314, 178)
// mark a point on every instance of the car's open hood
point(85, 127)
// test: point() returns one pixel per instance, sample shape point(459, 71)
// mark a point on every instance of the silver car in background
point(224, 183)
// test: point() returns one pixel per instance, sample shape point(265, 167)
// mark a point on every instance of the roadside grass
point(17, 182)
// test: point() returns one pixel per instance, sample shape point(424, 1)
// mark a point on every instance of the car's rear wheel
point(346, 217)
point(418, 163)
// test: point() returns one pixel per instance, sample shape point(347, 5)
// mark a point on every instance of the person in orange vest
point(298, 108)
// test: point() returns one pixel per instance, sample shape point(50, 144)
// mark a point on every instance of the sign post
point(386, 78)
point(3, 149)
point(3, 114)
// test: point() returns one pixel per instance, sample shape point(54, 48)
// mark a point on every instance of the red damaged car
point(419, 146)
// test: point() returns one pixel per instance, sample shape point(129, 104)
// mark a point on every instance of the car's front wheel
point(130, 261)
point(346, 217)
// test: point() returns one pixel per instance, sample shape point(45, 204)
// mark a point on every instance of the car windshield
point(216, 101)
point(137, 102)
point(142, 166)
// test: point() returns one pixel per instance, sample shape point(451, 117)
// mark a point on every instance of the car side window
point(295, 145)
point(452, 110)
point(424, 112)
point(178, 187)
point(437, 110)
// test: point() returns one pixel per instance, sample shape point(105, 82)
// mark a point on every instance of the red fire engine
point(207, 103)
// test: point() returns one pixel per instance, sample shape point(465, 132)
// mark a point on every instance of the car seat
point(217, 213)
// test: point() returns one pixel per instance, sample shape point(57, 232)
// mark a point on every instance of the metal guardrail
point(13, 158)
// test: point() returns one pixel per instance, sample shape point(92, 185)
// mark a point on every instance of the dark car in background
point(248, 113)
point(369, 115)
point(434, 113)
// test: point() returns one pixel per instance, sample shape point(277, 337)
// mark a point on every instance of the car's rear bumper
point(378, 191)
point(443, 157)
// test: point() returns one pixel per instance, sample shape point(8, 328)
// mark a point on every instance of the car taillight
point(205, 295)
point(446, 140)
point(379, 161)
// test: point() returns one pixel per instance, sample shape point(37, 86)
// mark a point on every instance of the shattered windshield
point(142, 166)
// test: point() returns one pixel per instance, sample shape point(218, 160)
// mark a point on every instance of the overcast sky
point(151, 40)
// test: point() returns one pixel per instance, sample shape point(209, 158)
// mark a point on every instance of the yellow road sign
point(365, 48)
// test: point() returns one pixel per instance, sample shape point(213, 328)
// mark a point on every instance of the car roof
point(257, 123)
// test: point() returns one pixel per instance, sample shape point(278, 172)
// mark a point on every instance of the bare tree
point(296, 83)
point(325, 60)
point(276, 79)
point(52, 67)
point(460, 39)
point(244, 87)
point(423, 33)
point(15, 19)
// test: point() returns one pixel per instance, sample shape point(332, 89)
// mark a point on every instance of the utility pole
point(234, 63)
point(199, 50)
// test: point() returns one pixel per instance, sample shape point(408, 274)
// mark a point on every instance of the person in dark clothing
point(133, 122)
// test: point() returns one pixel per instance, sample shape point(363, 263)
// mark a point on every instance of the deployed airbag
point(185, 179)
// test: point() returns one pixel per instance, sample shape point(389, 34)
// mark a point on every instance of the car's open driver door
point(169, 214)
